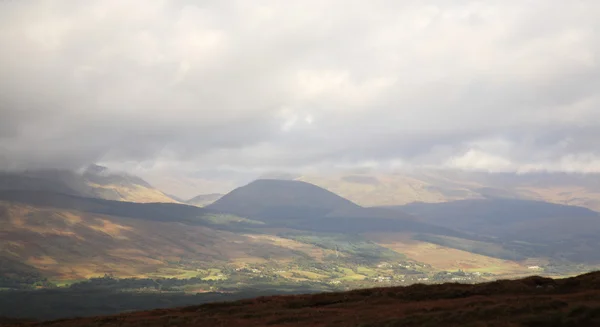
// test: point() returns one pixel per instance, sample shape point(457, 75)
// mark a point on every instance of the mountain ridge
point(437, 185)
point(95, 181)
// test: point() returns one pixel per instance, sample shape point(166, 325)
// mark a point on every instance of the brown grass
point(137, 193)
point(67, 244)
point(533, 301)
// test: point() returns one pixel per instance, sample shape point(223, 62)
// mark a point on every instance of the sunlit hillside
point(432, 186)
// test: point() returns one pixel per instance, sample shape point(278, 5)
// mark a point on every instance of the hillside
point(533, 301)
point(203, 200)
point(268, 221)
point(269, 237)
point(509, 217)
point(85, 237)
point(301, 205)
point(95, 181)
point(546, 229)
point(64, 237)
point(67, 237)
point(315, 213)
point(432, 186)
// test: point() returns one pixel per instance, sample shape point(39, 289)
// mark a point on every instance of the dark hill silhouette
point(540, 228)
point(302, 205)
point(271, 197)
point(508, 218)
point(172, 212)
point(532, 301)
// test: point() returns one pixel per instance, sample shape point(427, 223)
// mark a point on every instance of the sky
point(177, 89)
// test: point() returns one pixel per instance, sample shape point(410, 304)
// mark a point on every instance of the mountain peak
point(264, 195)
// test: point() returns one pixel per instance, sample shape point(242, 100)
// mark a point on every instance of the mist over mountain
point(95, 181)
point(158, 154)
point(279, 234)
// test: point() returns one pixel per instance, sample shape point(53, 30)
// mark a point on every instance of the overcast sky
point(198, 86)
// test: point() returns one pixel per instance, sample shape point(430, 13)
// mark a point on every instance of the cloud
point(253, 86)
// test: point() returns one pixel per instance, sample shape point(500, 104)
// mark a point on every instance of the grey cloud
point(261, 85)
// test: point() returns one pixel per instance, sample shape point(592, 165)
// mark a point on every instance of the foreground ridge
point(532, 301)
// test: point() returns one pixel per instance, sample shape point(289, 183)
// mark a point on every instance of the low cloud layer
point(250, 86)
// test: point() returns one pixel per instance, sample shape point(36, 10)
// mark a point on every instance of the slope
point(68, 237)
point(532, 301)
point(509, 218)
point(378, 189)
point(553, 230)
point(96, 181)
point(203, 200)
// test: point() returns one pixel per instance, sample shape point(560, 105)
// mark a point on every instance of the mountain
point(509, 218)
point(508, 229)
point(559, 230)
point(532, 301)
point(271, 197)
point(63, 236)
point(300, 205)
point(279, 233)
point(203, 200)
point(433, 186)
point(67, 237)
point(96, 181)
point(270, 236)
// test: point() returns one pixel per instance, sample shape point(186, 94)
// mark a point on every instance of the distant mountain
point(433, 186)
point(96, 181)
point(389, 189)
point(507, 217)
point(266, 198)
point(169, 212)
point(301, 205)
point(555, 230)
point(203, 200)
point(68, 237)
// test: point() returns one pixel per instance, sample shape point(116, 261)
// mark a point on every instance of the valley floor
point(532, 301)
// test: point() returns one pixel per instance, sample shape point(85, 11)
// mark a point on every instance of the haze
point(175, 90)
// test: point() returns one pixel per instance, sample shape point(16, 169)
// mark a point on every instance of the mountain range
point(432, 186)
point(68, 226)
point(60, 228)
